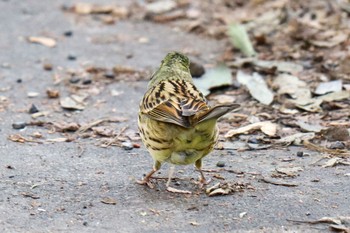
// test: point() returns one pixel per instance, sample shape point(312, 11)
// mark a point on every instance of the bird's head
point(175, 65)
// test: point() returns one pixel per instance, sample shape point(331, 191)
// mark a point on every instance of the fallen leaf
point(46, 41)
point(257, 86)
point(333, 41)
point(240, 39)
point(281, 66)
point(225, 188)
point(326, 87)
point(213, 78)
point(334, 96)
point(335, 161)
point(309, 127)
point(267, 127)
point(71, 103)
point(272, 66)
point(297, 138)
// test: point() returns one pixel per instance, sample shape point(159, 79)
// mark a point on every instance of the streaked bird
point(176, 123)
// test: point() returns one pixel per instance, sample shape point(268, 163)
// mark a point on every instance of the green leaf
point(240, 39)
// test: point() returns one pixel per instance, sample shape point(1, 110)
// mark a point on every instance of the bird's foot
point(146, 182)
point(203, 182)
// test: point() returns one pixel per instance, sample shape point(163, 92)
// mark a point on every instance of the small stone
point(19, 80)
point(109, 75)
point(10, 167)
point(32, 94)
point(52, 94)
point(87, 81)
point(48, 66)
point(196, 69)
point(74, 80)
point(68, 33)
point(33, 109)
point(220, 164)
point(253, 140)
point(71, 57)
point(19, 125)
point(127, 145)
point(300, 153)
point(85, 223)
point(337, 145)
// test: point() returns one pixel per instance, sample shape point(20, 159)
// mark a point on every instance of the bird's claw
point(203, 182)
point(145, 182)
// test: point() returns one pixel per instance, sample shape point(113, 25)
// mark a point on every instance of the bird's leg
point(202, 180)
point(171, 189)
point(147, 179)
point(171, 173)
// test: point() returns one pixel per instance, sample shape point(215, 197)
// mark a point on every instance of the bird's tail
point(215, 112)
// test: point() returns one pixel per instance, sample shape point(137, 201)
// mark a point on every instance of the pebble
point(74, 80)
point(32, 94)
point(33, 109)
point(196, 69)
point(300, 153)
point(127, 145)
point(71, 57)
point(220, 164)
point(68, 33)
point(51, 93)
point(19, 80)
point(253, 140)
point(109, 75)
point(337, 145)
point(87, 81)
point(19, 125)
point(48, 66)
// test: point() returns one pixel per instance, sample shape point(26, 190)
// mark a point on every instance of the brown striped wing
point(174, 101)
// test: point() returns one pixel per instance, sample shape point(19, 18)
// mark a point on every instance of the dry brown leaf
point(297, 138)
point(267, 127)
point(225, 188)
point(21, 139)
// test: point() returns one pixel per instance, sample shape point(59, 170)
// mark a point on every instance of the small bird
point(176, 123)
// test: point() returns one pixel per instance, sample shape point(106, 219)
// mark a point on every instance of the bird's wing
point(173, 101)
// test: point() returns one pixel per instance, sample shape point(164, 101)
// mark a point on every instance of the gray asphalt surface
point(58, 187)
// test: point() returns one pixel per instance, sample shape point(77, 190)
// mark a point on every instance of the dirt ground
point(76, 185)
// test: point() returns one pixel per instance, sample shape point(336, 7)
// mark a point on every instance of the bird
point(175, 121)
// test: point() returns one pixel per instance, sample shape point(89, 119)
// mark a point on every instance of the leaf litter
point(292, 59)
